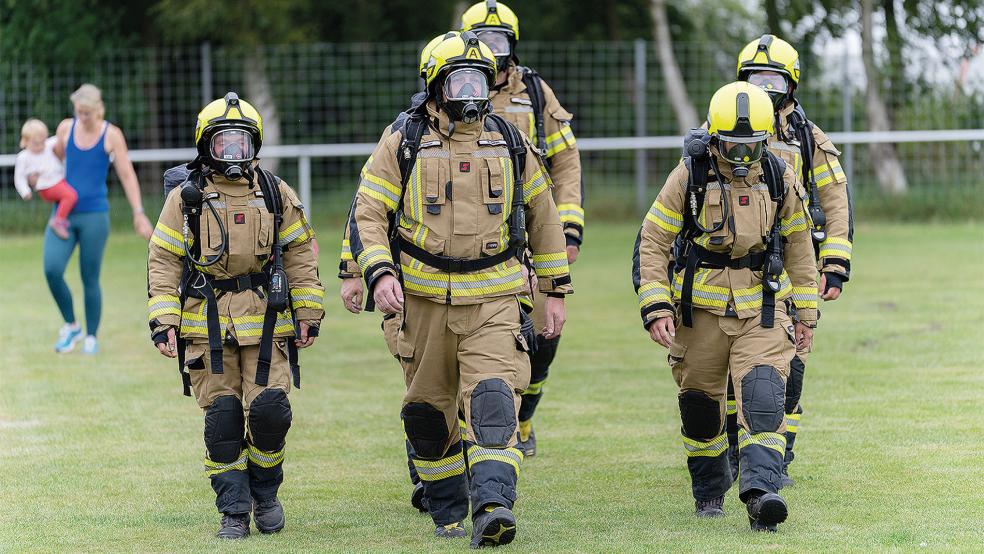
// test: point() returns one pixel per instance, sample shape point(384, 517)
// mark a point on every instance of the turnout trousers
point(245, 424)
point(469, 360)
point(759, 360)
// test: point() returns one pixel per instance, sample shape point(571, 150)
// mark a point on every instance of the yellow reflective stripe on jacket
point(246, 326)
point(380, 189)
point(302, 297)
point(164, 304)
point(826, 173)
point(559, 141)
point(652, 293)
point(805, 297)
point(435, 470)
point(751, 298)
point(296, 232)
point(732, 407)
point(498, 279)
point(169, 239)
point(571, 213)
point(511, 456)
point(711, 448)
point(347, 251)
point(215, 468)
point(709, 296)
point(788, 226)
point(547, 265)
point(373, 255)
point(834, 247)
point(263, 458)
point(774, 441)
point(666, 218)
point(536, 185)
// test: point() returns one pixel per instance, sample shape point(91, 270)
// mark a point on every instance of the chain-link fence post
point(206, 54)
point(304, 182)
point(639, 99)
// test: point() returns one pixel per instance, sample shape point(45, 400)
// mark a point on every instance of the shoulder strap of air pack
point(534, 88)
point(803, 132)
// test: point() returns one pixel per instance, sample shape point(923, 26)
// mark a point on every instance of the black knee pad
point(493, 413)
point(224, 428)
point(269, 420)
point(794, 386)
point(701, 415)
point(426, 429)
point(546, 350)
point(763, 398)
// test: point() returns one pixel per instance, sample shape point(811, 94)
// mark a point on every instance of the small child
point(38, 158)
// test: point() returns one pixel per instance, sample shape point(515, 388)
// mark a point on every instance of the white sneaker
point(90, 346)
point(68, 335)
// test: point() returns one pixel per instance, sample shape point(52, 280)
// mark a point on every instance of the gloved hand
point(166, 341)
point(831, 285)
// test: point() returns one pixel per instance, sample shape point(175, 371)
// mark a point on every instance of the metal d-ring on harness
point(689, 256)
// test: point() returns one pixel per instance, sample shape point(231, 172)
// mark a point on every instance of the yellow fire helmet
point(491, 15)
point(225, 113)
point(740, 117)
point(769, 53)
point(425, 54)
point(461, 50)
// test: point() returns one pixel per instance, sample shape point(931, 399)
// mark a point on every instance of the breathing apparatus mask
point(231, 153)
point(501, 46)
point(465, 94)
point(741, 152)
point(774, 83)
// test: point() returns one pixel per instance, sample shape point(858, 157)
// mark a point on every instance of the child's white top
point(46, 164)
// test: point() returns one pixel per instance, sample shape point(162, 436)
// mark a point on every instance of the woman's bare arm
point(128, 178)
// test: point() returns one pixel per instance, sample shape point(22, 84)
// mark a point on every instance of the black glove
point(160, 336)
point(834, 281)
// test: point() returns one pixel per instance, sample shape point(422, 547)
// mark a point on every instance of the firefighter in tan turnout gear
point(742, 294)
point(234, 291)
point(442, 214)
point(773, 65)
point(523, 98)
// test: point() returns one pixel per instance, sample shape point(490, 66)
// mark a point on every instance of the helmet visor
point(770, 81)
point(466, 84)
point(232, 145)
point(497, 41)
point(741, 153)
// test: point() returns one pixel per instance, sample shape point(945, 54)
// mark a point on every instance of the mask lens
point(497, 41)
point(466, 84)
point(742, 152)
point(232, 145)
point(769, 81)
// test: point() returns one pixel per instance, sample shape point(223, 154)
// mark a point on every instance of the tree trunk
point(259, 91)
point(772, 17)
point(459, 10)
point(884, 157)
point(676, 87)
point(896, 65)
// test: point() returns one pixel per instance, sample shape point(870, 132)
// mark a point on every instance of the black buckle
point(455, 265)
point(244, 282)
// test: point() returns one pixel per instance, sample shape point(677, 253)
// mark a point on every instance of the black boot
point(417, 498)
point(786, 481)
point(269, 516)
point(451, 531)
point(494, 526)
point(528, 446)
point(710, 508)
point(234, 526)
point(766, 511)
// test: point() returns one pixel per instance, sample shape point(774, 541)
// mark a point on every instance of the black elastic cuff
point(834, 281)
point(555, 295)
point(654, 308)
point(160, 337)
point(376, 273)
point(573, 241)
point(313, 330)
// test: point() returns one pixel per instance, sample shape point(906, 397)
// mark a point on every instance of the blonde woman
point(88, 143)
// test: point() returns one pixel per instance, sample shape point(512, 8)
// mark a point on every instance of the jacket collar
point(463, 132)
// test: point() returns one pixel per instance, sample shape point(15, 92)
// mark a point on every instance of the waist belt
point(241, 283)
point(448, 264)
point(720, 260)
point(699, 257)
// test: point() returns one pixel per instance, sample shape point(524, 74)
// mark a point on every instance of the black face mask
point(466, 111)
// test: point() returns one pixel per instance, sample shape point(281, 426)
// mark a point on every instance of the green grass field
point(104, 454)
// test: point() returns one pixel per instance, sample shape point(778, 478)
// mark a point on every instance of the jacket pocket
point(264, 231)
point(493, 186)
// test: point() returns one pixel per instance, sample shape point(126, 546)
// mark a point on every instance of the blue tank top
point(86, 170)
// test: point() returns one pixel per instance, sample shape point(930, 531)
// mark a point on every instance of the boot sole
point(500, 531)
point(771, 514)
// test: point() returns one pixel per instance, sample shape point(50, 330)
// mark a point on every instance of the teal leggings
point(89, 231)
